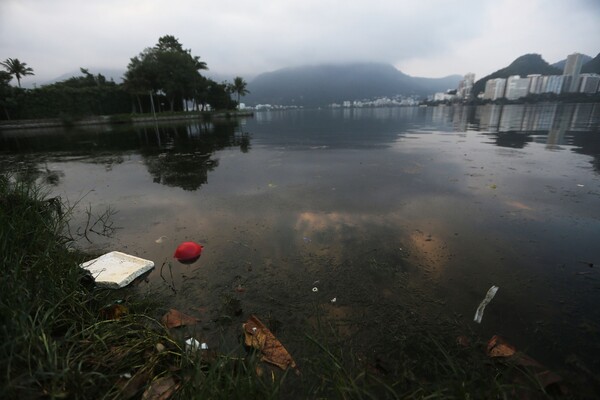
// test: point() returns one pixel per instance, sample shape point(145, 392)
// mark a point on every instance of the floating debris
point(488, 297)
point(115, 270)
point(188, 252)
point(258, 336)
point(315, 289)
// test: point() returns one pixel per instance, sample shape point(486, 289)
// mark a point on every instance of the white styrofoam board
point(116, 270)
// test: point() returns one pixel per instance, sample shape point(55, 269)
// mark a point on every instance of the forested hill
point(592, 66)
point(524, 65)
point(320, 85)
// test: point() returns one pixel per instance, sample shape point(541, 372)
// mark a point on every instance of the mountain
point(319, 85)
point(524, 65)
point(592, 66)
point(561, 64)
point(114, 74)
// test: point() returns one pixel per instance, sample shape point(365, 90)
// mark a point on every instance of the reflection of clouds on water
point(427, 250)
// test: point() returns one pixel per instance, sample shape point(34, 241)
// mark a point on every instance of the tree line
point(162, 78)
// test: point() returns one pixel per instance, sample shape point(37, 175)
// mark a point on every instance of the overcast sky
point(430, 38)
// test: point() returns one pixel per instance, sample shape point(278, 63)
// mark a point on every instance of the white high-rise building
point(573, 69)
point(536, 83)
point(516, 87)
point(553, 84)
point(465, 86)
point(494, 89)
point(589, 83)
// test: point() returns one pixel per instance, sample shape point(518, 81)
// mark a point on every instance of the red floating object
point(188, 252)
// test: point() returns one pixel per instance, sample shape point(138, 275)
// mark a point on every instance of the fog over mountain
point(318, 85)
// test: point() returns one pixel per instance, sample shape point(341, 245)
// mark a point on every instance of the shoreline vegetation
point(62, 337)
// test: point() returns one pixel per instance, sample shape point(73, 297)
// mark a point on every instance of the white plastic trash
point(488, 297)
point(115, 270)
point(192, 344)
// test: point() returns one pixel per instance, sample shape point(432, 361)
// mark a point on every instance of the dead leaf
point(161, 389)
point(131, 387)
point(114, 311)
point(258, 336)
point(174, 318)
point(463, 341)
point(498, 347)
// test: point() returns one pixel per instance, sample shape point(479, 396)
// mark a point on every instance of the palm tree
point(17, 68)
point(239, 87)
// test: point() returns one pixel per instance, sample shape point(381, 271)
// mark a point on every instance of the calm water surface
point(382, 209)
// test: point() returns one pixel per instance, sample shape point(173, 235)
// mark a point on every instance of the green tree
point(218, 96)
point(6, 93)
point(17, 68)
point(239, 87)
point(168, 69)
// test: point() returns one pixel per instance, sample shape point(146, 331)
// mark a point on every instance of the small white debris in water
point(580, 185)
point(315, 289)
point(160, 239)
point(334, 300)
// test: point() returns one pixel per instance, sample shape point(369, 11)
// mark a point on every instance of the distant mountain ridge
point(592, 66)
point(319, 85)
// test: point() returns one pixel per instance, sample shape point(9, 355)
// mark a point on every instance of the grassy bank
point(64, 338)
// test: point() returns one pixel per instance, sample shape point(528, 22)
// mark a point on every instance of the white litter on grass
point(488, 297)
point(192, 344)
point(115, 270)
point(334, 300)
point(315, 289)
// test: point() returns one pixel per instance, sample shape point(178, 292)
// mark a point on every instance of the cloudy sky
point(430, 38)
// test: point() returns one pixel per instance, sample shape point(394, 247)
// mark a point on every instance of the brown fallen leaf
point(258, 336)
point(463, 341)
point(498, 347)
point(130, 388)
point(174, 318)
point(114, 311)
point(161, 389)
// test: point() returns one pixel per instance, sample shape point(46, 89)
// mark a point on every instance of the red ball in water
point(188, 252)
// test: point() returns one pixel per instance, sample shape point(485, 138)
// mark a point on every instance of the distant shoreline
point(117, 120)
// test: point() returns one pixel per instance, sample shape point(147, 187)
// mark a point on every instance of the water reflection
point(515, 126)
point(175, 155)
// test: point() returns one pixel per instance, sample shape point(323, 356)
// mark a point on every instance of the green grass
point(57, 342)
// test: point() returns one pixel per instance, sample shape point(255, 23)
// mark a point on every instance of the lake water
point(418, 209)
